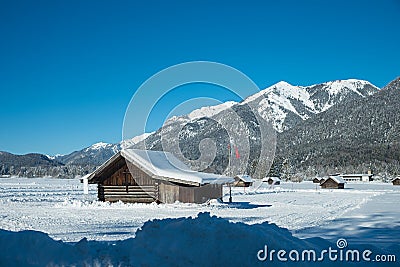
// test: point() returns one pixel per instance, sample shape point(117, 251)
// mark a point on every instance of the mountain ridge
point(366, 137)
point(285, 105)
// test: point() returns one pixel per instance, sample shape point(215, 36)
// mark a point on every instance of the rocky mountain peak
point(393, 85)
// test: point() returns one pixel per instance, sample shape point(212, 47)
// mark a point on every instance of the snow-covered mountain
point(95, 154)
point(285, 105)
point(210, 111)
point(349, 137)
point(98, 153)
point(202, 112)
point(282, 104)
point(133, 141)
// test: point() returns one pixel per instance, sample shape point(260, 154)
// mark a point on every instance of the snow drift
point(202, 241)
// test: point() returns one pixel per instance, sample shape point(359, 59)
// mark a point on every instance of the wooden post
point(230, 193)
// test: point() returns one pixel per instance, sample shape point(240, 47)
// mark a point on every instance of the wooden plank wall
point(186, 194)
point(168, 193)
point(330, 184)
point(206, 192)
point(132, 194)
point(140, 176)
point(128, 185)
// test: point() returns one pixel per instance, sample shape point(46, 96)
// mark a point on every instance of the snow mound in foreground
point(202, 241)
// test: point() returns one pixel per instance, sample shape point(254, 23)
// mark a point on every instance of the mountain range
point(338, 126)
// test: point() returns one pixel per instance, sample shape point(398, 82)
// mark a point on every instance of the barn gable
point(243, 181)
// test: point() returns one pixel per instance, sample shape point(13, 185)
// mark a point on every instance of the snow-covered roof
point(165, 166)
point(245, 178)
point(337, 179)
point(356, 175)
point(273, 178)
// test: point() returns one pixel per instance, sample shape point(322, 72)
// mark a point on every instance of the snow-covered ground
point(59, 208)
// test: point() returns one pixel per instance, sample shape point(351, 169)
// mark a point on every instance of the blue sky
point(68, 69)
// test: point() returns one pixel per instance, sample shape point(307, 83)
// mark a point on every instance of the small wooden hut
point(274, 181)
point(316, 180)
point(396, 181)
point(333, 182)
point(144, 176)
point(243, 181)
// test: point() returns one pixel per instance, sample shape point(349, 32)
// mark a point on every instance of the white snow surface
point(210, 110)
point(202, 112)
point(214, 234)
point(99, 145)
point(245, 178)
point(52, 157)
point(59, 208)
point(335, 87)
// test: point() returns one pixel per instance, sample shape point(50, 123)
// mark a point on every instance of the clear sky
point(69, 68)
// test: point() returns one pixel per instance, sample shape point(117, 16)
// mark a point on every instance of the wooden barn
point(316, 180)
point(243, 181)
point(396, 181)
point(333, 182)
point(144, 176)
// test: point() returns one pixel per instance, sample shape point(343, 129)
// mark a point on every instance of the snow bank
point(202, 241)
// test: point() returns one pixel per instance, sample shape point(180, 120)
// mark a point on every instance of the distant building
point(357, 177)
point(243, 181)
point(272, 180)
point(333, 182)
point(143, 176)
point(396, 181)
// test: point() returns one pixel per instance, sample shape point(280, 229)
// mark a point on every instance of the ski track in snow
point(59, 208)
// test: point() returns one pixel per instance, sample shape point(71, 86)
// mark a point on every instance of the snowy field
point(58, 207)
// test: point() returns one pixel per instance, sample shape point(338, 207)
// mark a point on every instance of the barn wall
point(121, 176)
point(331, 184)
point(396, 182)
point(168, 193)
point(206, 192)
point(127, 185)
point(140, 176)
point(132, 194)
point(242, 184)
point(186, 194)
